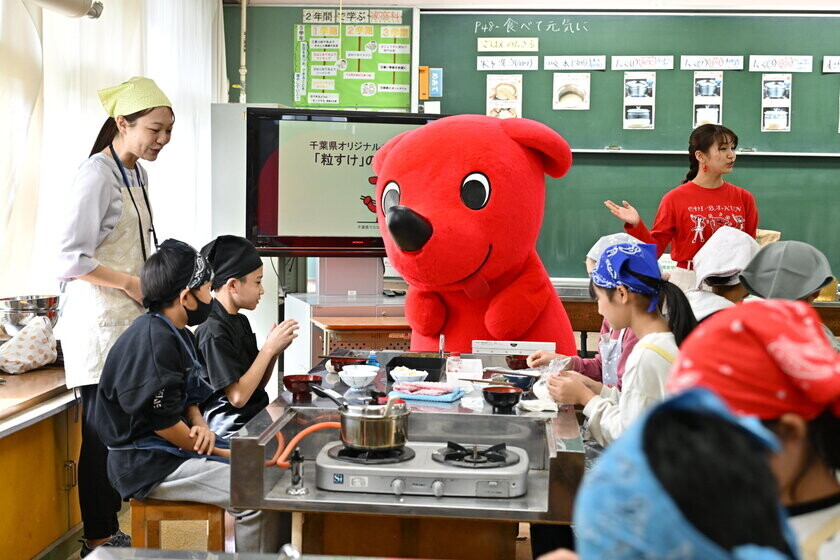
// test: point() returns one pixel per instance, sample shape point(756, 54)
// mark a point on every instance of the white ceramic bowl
point(358, 375)
point(403, 378)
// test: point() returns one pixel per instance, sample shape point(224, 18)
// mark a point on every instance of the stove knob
point(399, 486)
point(437, 488)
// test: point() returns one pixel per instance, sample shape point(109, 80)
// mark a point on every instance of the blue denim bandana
point(616, 264)
point(624, 513)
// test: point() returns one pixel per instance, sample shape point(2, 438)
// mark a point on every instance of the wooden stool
point(146, 517)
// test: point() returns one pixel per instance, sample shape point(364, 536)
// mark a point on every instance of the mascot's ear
point(382, 153)
point(554, 151)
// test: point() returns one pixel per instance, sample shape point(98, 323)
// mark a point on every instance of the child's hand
point(587, 382)
point(281, 336)
point(625, 213)
point(566, 390)
point(542, 358)
point(204, 439)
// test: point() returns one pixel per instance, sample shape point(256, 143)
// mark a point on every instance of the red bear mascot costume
point(460, 208)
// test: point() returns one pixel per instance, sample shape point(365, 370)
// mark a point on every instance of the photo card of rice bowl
point(570, 91)
point(504, 95)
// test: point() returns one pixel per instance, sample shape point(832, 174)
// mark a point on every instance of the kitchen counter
point(583, 314)
point(107, 553)
point(40, 437)
point(331, 522)
point(29, 397)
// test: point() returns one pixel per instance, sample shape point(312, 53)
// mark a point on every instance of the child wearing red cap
point(769, 359)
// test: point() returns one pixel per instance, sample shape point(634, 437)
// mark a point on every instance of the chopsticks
point(518, 372)
point(490, 381)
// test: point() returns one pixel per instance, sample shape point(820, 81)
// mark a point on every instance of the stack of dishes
point(16, 312)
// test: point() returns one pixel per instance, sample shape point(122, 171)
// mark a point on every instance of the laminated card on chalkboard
point(776, 92)
point(504, 95)
point(639, 100)
point(708, 98)
point(570, 91)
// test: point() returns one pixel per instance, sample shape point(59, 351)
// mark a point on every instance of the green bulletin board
point(359, 58)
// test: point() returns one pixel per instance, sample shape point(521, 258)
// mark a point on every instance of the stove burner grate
point(349, 455)
point(475, 456)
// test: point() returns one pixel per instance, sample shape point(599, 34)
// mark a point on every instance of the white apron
point(610, 350)
point(93, 317)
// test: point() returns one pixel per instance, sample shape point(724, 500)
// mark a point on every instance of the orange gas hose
point(281, 444)
point(281, 459)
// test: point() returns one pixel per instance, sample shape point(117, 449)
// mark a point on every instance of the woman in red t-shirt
point(689, 214)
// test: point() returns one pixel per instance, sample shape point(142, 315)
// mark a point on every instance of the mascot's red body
point(460, 204)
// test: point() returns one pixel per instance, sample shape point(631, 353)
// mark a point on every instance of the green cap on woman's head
point(137, 94)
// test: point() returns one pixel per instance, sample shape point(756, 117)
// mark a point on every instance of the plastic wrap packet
point(31, 348)
point(540, 388)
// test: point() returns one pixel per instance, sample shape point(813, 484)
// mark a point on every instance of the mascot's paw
point(509, 316)
point(425, 312)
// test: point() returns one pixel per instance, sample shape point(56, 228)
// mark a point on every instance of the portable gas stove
point(426, 469)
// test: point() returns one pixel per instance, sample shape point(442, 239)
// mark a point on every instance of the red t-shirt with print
point(689, 214)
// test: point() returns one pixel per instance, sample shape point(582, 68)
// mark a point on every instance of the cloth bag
point(31, 348)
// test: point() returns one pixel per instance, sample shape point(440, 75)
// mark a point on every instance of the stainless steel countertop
point(552, 441)
point(109, 553)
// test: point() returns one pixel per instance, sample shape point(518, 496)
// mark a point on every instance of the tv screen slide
point(314, 181)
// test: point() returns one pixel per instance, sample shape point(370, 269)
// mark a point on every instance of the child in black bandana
point(236, 369)
point(159, 446)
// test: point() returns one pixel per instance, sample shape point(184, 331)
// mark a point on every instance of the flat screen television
point(308, 179)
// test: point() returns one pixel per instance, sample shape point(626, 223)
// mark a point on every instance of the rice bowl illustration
point(504, 92)
point(570, 96)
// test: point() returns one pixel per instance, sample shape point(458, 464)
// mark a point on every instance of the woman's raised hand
point(625, 213)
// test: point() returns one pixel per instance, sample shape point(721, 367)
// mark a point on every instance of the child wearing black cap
point(159, 446)
point(236, 369)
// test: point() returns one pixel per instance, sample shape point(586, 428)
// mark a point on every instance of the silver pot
point(637, 88)
point(638, 113)
point(775, 90)
point(706, 87)
point(370, 427)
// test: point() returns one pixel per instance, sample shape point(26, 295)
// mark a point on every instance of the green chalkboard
point(449, 40)
point(795, 195)
point(798, 196)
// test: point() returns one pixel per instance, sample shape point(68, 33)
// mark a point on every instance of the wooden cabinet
point(39, 493)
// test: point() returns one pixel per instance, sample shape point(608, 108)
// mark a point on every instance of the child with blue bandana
point(630, 292)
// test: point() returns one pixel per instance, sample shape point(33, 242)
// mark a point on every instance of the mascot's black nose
point(409, 229)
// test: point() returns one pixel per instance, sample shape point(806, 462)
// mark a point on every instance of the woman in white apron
point(103, 242)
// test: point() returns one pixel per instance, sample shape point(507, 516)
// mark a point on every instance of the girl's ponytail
point(693, 167)
point(681, 320)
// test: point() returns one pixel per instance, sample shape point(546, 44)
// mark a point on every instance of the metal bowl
point(29, 303)
point(14, 321)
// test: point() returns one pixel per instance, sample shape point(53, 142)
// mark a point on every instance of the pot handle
point(330, 394)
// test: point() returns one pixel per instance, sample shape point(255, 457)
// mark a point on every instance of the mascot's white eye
point(390, 196)
point(475, 191)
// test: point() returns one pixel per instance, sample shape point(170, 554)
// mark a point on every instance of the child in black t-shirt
point(236, 370)
point(148, 396)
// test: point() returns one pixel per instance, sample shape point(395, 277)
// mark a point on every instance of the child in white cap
point(717, 265)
